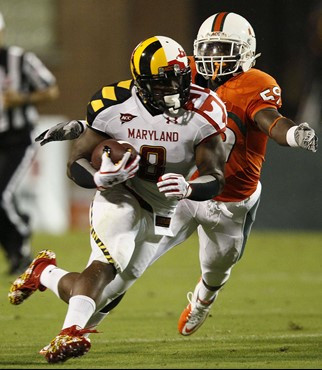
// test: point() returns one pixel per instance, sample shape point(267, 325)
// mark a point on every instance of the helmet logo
point(126, 117)
point(181, 54)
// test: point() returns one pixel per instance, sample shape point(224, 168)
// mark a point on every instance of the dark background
point(92, 41)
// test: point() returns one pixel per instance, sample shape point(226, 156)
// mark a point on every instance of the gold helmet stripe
point(148, 56)
point(159, 59)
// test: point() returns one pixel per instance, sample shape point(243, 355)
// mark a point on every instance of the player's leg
point(115, 225)
point(221, 246)
point(41, 274)
point(100, 315)
point(29, 281)
point(183, 225)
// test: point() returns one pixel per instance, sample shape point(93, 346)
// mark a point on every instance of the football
point(117, 150)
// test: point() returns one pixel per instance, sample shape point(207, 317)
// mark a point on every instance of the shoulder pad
point(108, 96)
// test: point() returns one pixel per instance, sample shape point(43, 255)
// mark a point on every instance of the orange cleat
point(194, 315)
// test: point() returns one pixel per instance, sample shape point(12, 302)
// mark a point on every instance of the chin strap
point(250, 63)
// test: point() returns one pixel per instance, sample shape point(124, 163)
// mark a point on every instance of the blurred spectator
point(24, 83)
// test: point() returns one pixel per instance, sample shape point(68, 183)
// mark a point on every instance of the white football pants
point(122, 232)
point(223, 229)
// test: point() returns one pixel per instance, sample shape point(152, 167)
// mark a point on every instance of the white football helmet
point(225, 44)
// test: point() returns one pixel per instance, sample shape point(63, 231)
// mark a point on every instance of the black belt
point(159, 220)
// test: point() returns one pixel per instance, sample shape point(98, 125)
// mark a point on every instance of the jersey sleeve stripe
point(210, 120)
point(108, 92)
point(97, 105)
point(125, 84)
point(223, 109)
point(107, 97)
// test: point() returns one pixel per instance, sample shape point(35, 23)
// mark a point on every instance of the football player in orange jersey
point(224, 56)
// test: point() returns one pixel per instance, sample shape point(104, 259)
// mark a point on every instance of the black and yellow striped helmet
point(161, 72)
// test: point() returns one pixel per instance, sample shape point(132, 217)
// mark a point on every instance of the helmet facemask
point(218, 55)
point(166, 91)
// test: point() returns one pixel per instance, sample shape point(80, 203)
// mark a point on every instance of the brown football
point(117, 150)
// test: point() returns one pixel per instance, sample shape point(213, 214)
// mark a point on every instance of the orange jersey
point(244, 95)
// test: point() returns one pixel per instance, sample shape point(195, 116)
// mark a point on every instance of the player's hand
point(305, 137)
point(111, 174)
point(69, 130)
point(173, 185)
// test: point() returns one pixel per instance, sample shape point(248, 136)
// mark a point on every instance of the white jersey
point(165, 143)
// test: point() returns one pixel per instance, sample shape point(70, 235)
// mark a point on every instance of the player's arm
point(210, 161)
point(284, 131)
point(79, 168)
point(68, 130)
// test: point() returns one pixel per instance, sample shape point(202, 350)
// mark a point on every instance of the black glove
point(69, 130)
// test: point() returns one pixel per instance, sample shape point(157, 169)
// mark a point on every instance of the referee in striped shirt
point(24, 83)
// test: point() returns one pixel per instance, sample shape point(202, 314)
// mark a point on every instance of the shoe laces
point(76, 331)
point(198, 310)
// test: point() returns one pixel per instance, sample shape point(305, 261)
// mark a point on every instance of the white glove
point(303, 136)
point(111, 174)
point(174, 185)
point(69, 130)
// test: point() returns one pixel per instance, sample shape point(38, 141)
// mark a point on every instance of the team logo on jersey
point(172, 120)
point(126, 117)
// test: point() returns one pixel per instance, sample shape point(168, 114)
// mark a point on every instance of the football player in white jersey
point(176, 127)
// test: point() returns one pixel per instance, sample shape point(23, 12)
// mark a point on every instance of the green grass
point(269, 315)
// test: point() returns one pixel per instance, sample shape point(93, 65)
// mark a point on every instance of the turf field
point(269, 316)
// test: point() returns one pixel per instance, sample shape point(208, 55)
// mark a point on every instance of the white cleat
point(194, 315)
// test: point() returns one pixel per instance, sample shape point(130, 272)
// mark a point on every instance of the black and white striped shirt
point(24, 72)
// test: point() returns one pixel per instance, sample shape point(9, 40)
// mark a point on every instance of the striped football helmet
point(225, 44)
point(161, 73)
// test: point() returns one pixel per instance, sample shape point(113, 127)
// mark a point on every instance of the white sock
point(50, 278)
point(206, 295)
point(95, 320)
point(80, 310)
